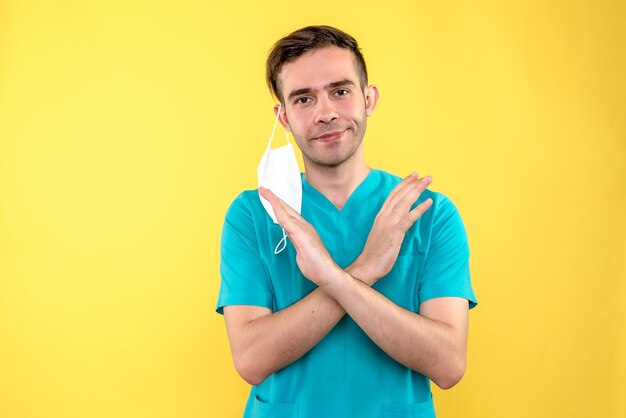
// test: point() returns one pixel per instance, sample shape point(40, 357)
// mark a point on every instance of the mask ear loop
point(282, 244)
point(275, 123)
point(274, 128)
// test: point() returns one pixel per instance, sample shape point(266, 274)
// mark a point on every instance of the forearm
point(427, 346)
point(274, 341)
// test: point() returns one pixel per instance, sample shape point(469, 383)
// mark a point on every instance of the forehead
point(315, 69)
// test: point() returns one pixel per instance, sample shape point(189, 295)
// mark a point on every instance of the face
point(325, 108)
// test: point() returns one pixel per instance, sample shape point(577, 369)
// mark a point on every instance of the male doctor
point(347, 293)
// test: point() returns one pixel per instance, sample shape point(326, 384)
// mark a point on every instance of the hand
point(386, 236)
point(312, 257)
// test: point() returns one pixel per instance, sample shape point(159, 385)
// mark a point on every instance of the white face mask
point(279, 172)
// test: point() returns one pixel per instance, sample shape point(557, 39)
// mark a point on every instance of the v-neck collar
point(358, 196)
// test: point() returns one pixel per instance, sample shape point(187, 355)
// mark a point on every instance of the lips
point(330, 136)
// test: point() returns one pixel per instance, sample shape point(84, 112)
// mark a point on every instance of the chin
point(340, 155)
point(331, 161)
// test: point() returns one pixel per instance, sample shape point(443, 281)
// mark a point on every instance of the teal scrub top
point(345, 374)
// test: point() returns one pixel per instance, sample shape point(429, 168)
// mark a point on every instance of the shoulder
point(244, 219)
point(441, 202)
point(443, 218)
point(243, 206)
point(243, 203)
point(442, 211)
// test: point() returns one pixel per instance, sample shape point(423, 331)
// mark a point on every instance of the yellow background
point(127, 128)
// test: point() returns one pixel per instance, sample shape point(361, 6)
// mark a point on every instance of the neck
point(337, 183)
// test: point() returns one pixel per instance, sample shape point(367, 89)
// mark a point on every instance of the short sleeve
point(446, 269)
point(244, 277)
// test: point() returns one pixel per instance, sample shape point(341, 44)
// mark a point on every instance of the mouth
point(331, 136)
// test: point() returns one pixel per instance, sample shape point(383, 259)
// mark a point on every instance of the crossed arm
point(432, 343)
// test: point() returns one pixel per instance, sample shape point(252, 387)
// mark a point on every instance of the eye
point(341, 92)
point(303, 100)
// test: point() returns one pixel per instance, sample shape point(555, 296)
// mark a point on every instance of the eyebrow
point(332, 85)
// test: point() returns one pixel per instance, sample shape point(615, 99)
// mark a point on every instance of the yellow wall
point(126, 129)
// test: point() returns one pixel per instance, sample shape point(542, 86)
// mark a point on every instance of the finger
point(276, 202)
point(399, 188)
point(282, 215)
point(289, 219)
point(419, 210)
point(417, 190)
point(406, 182)
point(288, 209)
point(404, 201)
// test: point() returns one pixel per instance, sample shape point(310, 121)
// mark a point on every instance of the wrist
point(337, 282)
point(359, 270)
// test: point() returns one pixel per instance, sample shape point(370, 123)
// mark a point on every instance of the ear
point(371, 98)
point(283, 116)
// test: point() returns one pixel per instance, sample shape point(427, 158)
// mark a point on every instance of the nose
point(326, 111)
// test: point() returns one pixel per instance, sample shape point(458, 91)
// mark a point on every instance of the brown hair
point(307, 39)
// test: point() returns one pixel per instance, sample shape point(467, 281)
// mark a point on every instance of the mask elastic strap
point(282, 244)
point(274, 128)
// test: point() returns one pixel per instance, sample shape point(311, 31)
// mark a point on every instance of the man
point(369, 300)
